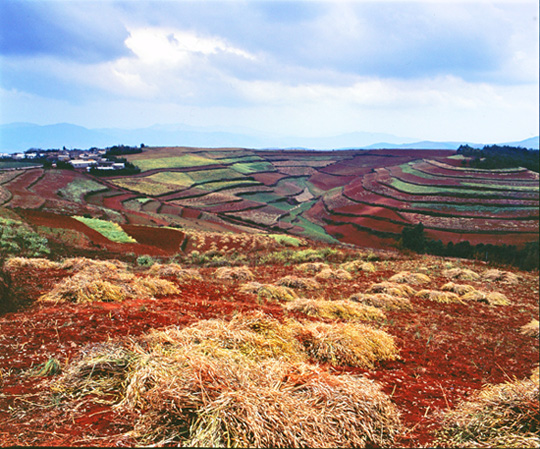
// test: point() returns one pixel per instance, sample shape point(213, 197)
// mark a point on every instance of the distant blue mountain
point(15, 137)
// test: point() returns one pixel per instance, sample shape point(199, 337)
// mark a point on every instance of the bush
point(145, 261)
point(18, 238)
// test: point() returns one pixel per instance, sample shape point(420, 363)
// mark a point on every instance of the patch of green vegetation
point(16, 164)
point(108, 229)
point(286, 240)
point(157, 184)
point(261, 197)
point(18, 238)
point(487, 209)
point(253, 167)
point(222, 185)
point(218, 174)
point(184, 161)
point(314, 231)
point(407, 168)
point(288, 256)
point(415, 189)
point(522, 188)
point(77, 189)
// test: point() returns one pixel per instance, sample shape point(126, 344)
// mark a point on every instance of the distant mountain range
point(16, 137)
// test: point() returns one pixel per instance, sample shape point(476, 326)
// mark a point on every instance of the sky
point(427, 70)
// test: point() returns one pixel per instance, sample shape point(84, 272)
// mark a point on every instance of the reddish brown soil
point(447, 351)
point(169, 240)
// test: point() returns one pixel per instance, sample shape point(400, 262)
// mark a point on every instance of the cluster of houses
point(79, 159)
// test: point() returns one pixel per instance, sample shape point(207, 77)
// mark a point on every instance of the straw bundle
point(406, 277)
point(234, 273)
point(91, 285)
point(458, 289)
point(499, 275)
point(209, 385)
point(269, 292)
point(491, 298)
point(392, 288)
point(338, 274)
point(342, 309)
point(438, 296)
point(382, 301)
point(350, 344)
point(504, 415)
point(176, 271)
point(532, 329)
point(309, 409)
point(103, 266)
point(358, 265)
point(17, 263)
point(299, 283)
point(462, 274)
point(312, 267)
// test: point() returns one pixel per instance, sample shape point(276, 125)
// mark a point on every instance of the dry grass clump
point(39, 263)
point(338, 274)
point(392, 288)
point(504, 415)
point(532, 328)
point(103, 266)
point(462, 274)
point(92, 285)
point(459, 289)
point(350, 344)
point(491, 298)
point(269, 292)
point(234, 274)
point(382, 301)
point(499, 275)
point(218, 384)
point(358, 265)
point(176, 271)
point(438, 296)
point(342, 309)
point(299, 283)
point(312, 267)
point(406, 277)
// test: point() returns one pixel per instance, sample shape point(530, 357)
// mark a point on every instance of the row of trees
point(497, 156)
point(526, 258)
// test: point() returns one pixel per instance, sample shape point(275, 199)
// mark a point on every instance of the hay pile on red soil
point(504, 415)
point(269, 292)
point(228, 384)
point(340, 309)
point(299, 283)
point(406, 277)
point(176, 271)
point(382, 301)
point(105, 281)
point(234, 274)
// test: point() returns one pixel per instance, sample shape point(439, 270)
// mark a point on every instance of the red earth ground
point(447, 351)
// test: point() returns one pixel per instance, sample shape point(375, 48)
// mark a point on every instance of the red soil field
point(268, 178)
point(169, 240)
point(348, 233)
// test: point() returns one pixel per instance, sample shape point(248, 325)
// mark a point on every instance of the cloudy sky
point(434, 70)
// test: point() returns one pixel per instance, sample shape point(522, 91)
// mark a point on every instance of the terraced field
point(359, 197)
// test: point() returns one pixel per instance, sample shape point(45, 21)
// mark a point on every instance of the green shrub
point(18, 238)
point(145, 261)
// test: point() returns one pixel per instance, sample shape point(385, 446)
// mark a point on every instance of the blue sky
point(433, 70)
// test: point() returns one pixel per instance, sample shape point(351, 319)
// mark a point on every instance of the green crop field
point(407, 168)
point(219, 174)
point(15, 164)
point(480, 208)
point(157, 184)
point(185, 161)
point(529, 188)
point(253, 167)
point(220, 185)
point(415, 189)
point(79, 188)
point(108, 229)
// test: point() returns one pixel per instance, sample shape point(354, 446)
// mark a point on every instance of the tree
point(414, 238)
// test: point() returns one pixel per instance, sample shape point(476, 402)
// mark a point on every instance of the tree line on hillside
point(526, 258)
point(497, 156)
